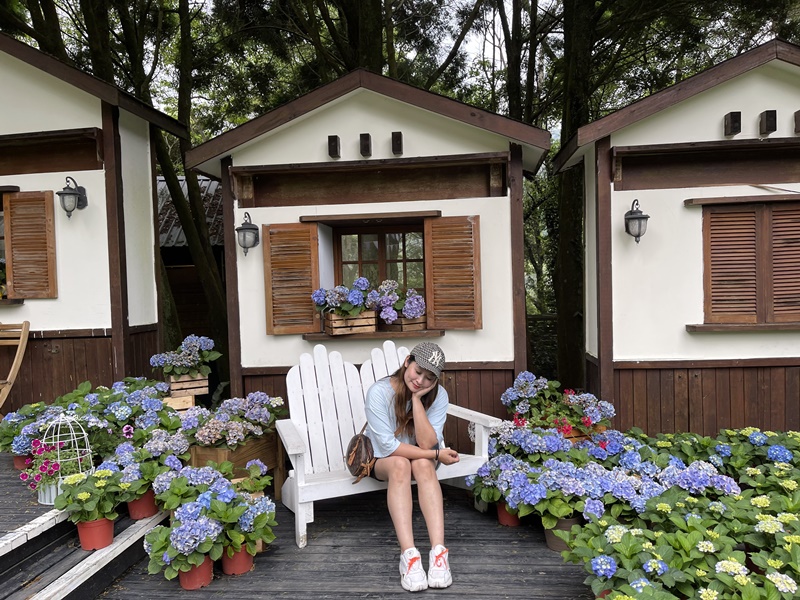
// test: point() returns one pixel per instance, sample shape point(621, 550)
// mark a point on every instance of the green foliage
point(90, 497)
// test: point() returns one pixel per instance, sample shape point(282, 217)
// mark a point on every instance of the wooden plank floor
point(352, 553)
point(18, 505)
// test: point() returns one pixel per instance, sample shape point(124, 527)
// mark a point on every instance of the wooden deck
point(18, 506)
point(352, 553)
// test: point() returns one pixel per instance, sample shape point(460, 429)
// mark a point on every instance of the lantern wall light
point(73, 197)
point(247, 234)
point(636, 221)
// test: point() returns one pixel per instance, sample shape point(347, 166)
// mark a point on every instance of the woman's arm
point(446, 456)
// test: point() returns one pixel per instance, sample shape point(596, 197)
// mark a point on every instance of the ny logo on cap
point(437, 358)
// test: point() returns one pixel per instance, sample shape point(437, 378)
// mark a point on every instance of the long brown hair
point(405, 417)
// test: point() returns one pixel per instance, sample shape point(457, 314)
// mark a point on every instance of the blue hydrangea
point(604, 565)
point(593, 508)
point(757, 438)
point(361, 284)
point(173, 462)
point(779, 453)
point(318, 297)
point(724, 450)
point(190, 511)
point(190, 534)
point(659, 567)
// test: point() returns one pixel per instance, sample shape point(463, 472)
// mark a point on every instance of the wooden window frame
point(381, 231)
point(762, 267)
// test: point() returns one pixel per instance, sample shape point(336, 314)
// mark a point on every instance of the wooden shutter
point(730, 277)
point(291, 274)
point(785, 263)
point(30, 244)
point(452, 273)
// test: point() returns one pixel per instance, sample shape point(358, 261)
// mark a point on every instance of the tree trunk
point(578, 27)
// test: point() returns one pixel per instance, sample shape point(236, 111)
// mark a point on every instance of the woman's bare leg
point(429, 492)
point(396, 470)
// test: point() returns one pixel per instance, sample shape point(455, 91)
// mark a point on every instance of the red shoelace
point(411, 564)
point(439, 562)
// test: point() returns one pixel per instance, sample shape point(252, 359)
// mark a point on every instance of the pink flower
point(32, 485)
point(36, 443)
point(24, 476)
point(56, 467)
point(28, 460)
point(569, 392)
point(43, 468)
point(38, 451)
point(127, 431)
point(587, 421)
point(37, 478)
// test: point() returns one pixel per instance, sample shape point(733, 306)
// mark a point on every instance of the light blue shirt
point(382, 423)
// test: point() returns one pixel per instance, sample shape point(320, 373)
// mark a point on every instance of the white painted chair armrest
point(473, 416)
point(290, 436)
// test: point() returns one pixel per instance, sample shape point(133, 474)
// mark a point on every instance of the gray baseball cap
point(429, 356)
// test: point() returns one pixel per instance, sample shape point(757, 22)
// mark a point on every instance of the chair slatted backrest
point(327, 405)
point(13, 334)
point(383, 361)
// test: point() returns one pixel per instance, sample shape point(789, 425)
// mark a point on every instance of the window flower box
point(405, 324)
point(335, 324)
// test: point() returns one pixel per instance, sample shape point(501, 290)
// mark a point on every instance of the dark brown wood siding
point(706, 396)
point(478, 389)
point(55, 363)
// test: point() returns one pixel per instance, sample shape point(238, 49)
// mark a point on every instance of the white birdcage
point(71, 446)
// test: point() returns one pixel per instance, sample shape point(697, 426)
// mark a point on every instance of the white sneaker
point(412, 575)
point(439, 568)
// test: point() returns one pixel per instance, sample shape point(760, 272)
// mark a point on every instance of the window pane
point(350, 248)
point(349, 274)
point(369, 246)
point(414, 246)
point(394, 270)
point(370, 271)
point(394, 246)
point(416, 276)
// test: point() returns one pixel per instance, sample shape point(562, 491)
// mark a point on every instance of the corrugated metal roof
point(169, 226)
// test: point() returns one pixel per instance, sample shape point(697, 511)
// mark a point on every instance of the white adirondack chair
point(326, 408)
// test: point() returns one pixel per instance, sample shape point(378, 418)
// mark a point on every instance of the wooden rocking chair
point(13, 334)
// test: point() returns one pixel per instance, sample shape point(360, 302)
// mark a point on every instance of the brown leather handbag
point(360, 457)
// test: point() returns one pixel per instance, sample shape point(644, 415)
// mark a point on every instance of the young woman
point(405, 418)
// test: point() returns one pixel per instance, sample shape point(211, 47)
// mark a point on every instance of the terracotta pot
point(143, 507)
point(96, 534)
point(197, 577)
point(557, 544)
point(19, 461)
point(241, 562)
point(603, 594)
point(506, 518)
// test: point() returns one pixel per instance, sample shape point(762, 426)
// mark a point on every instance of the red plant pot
point(96, 534)
point(506, 518)
point(19, 461)
point(143, 507)
point(198, 576)
point(241, 562)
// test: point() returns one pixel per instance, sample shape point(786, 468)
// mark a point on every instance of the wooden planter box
point(366, 322)
point(405, 324)
point(183, 389)
point(266, 448)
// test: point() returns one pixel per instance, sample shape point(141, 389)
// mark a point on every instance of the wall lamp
point(73, 197)
point(247, 234)
point(636, 221)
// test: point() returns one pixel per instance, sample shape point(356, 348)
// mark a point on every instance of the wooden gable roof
point(515, 131)
point(91, 85)
point(648, 106)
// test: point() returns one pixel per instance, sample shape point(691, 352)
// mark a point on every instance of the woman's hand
point(448, 456)
point(420, 393)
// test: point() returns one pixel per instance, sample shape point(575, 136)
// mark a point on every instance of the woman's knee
point(397, 468)
point(423, 470)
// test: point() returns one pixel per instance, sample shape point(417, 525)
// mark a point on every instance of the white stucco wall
point(658, 284)
point(492, 343)
point(137, 192)
point(36, 101)
point(81, 258)
point(305, 139)
point(773, 86)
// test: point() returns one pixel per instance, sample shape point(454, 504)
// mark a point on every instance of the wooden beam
point(117, 257)
point(605, 309)
point(232, 282)
point(517, 235)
